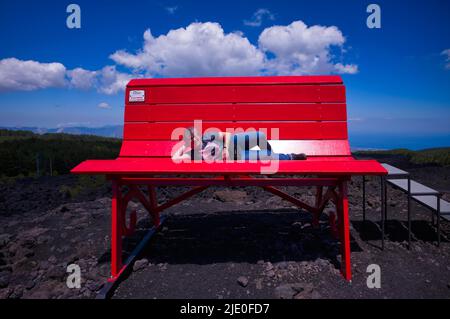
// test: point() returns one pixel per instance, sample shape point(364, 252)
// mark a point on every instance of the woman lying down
point(222, 146)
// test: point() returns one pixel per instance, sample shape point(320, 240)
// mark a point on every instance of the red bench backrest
point(309, 111)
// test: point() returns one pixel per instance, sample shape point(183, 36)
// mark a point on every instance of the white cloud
point(300, 49)
point(82, 79)
point(112, 81)
point(258, 17)
point(19, 75)
point(106, 80)
point(171, 10)
point(346, 68)
point(204, 49)
point(200, 49)
point(104, 105)
point(446, 53)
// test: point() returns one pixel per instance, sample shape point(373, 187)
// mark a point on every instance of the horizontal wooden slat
point(137, 113)
point(151, 148)
point(290, 112)
point(191, 94)
point(263, 80)
point(242, 112)
point(185, 112)
point(287, 130)
point(246, 94)
point(147, 148)
point(290, 93)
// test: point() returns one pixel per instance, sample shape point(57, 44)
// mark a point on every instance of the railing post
point(385, 200)
point(364, 197)
point(409, 211)
point(383, 204)
point(438, 206)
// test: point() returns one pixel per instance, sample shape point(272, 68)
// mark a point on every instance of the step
point(431, 202)
point(392, 170)
point(416, 188)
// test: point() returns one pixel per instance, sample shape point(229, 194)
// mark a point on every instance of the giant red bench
point(308, 111)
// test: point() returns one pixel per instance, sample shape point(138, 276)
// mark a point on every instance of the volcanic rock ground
point(222, 243)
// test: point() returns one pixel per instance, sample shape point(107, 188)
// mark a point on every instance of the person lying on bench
point(224, 145)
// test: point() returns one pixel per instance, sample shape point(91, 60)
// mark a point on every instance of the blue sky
point(397, 77)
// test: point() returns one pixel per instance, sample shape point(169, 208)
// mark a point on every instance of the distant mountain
point(105, 131)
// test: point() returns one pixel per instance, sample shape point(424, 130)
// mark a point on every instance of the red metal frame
point(150, 203)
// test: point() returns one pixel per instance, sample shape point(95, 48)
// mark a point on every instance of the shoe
point(298, 157)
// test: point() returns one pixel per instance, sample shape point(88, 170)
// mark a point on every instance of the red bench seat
point(313, 166)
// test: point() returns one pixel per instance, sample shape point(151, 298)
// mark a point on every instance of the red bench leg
point(116, 232)
point(344, 231)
